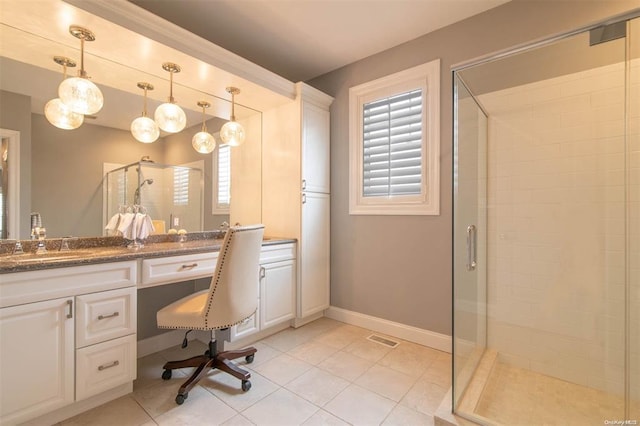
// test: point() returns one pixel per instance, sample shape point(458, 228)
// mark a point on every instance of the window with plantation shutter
point(180, 186)
point(222, 181)
point(394, 143)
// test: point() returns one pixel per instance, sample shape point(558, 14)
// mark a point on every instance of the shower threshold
point(503, 394)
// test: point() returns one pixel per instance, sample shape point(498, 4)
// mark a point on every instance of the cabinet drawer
point(105, 315)
point(33, 286)
point(277, 252)
point(173, 269)
point(246, 327)
point(105, 365)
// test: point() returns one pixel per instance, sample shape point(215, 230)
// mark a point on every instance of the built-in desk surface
point(111, 249)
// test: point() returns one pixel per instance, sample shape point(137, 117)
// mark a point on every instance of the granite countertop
point(86, 251)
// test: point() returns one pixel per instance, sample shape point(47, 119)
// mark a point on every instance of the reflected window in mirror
point(180, 186)
point(221, 179)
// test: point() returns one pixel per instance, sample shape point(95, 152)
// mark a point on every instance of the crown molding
point(135, 18)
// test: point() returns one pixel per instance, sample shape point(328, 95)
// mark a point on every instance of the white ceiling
point(303, 39)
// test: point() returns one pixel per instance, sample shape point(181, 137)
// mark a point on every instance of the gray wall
point(67, 173)
point(178, 149)
point(399, 267)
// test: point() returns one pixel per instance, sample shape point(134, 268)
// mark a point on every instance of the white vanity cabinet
point(277, 290)
point(106, 324)
point(37, 362)
point(51, 330)
point(172, 269)
point(296, 186)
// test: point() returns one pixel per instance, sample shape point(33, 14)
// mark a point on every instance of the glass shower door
point(469, 229)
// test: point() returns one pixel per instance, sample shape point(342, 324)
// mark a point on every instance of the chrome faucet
point(64, 243)
point(41, 233)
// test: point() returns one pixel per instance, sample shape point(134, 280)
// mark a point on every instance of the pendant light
point(55, 110)
point(169, 116)
point(203, 142)
point(143, 128)
point(232, 133)
point(79, 93)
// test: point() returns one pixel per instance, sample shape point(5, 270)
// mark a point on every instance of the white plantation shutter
point(392, 145)
point(180, 186)
point(224, 176)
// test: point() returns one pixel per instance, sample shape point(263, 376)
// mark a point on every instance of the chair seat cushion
point(185, 313)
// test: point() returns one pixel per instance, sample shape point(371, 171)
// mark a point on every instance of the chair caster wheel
point(249, 359)
point(180, 398)
point(166, 374)
point(246, 385)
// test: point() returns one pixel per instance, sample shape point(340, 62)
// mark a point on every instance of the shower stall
point(171, 195)
point(546, 293)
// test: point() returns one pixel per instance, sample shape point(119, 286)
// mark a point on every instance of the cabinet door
point(315, 149)
point(36, 363)
point(277, 290)
point(247, 327)
point(313, 288)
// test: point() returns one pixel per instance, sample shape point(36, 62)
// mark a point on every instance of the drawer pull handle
point(190, 266)
point(104, 367)
point(115, 314)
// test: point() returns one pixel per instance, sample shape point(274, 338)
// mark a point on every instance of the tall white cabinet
point(296, 188)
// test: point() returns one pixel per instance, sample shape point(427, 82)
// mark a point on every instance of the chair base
point(209, 360)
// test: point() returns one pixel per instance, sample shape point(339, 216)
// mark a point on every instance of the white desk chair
point(231, 298)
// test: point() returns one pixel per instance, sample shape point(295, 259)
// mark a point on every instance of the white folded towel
point(112, 225)
point(147, 227)
point(126, 226)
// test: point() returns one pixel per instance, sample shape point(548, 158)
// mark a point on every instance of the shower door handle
point(471, 248)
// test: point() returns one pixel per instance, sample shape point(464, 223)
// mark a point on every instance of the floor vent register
point(383, 341)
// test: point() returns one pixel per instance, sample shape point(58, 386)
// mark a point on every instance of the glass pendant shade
point(170, 117)
point(232, 133)
point(145, 130)
point(203, 142)
point(81, 95)
point(61, 116)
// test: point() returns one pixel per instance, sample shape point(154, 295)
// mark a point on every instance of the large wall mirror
point(61, 173)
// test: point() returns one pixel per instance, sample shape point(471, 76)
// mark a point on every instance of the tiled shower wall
point(556, 226)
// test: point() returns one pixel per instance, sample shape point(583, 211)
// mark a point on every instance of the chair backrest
point(234, 290)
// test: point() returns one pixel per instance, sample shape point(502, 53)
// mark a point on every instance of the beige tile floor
point(324, 373)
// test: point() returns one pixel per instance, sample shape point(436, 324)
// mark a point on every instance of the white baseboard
point(434, 340)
